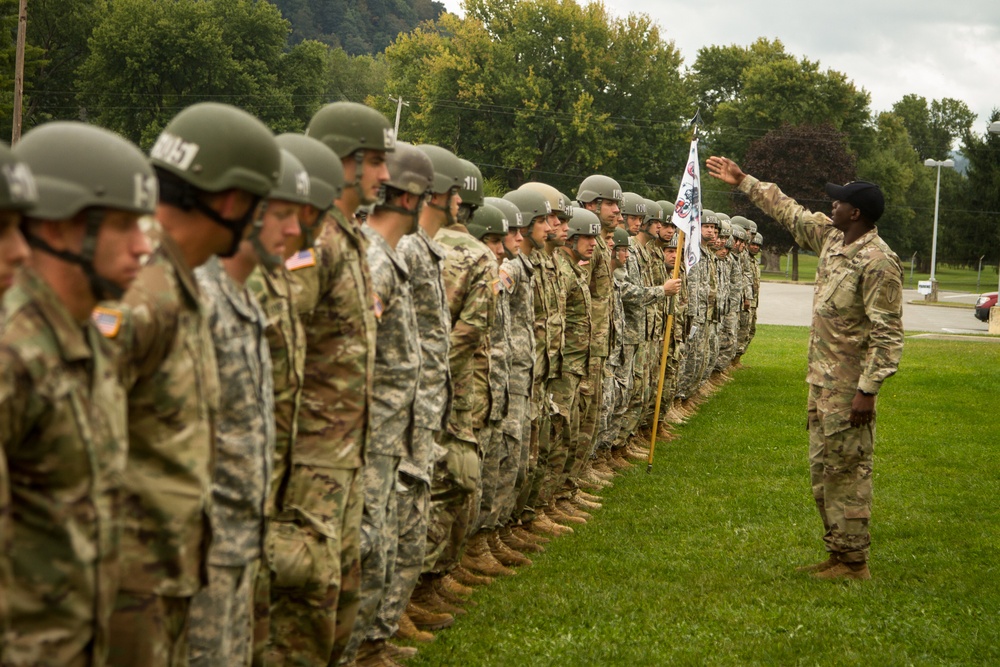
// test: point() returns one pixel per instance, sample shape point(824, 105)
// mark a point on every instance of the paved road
point(782, 303)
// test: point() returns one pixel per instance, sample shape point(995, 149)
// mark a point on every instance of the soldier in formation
point(259, 429)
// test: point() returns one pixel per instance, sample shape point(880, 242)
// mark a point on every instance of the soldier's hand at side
point(725, 169)
point(672, 286)
point(862, 409)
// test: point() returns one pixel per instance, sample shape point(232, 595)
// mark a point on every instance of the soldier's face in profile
point(708, 233)
point(495, 243)
point(121, 245)
point(667, 232)
point(670, 256)
point(512, 241)
point(13, 248)
point(540, 230)
point(632, 224)
point(281, 222)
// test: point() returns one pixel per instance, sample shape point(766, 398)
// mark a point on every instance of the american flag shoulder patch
point(378, 305)
point(507, 281)
point(301, 260)
point(497, 287)
point(107, 320)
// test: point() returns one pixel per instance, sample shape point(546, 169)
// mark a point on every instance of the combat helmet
point(488, 220)
point(293, 186)
point(709, 218)
point(598, 186)
point(654, 211)
point(212, 147)
point(532, 204)
point(725, 229)
point(471, 187)
point(633, 204)
point(751, 226)
point(449, 172)
point(758, 239)
point(558, 202)
point(410, 171)
point(622, 239)
point(17, 185)
point(79, 167)
point(584, 223)
point(326, 173)
point(349, 127)
point(739, 233)
point(515, 220)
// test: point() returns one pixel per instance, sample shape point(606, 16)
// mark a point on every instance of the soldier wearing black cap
point(855, 344)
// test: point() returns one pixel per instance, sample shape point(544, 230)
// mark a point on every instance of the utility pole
point(399, 109)
point(22, 28)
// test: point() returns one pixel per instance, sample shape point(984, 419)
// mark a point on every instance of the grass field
point(949, 278)
point(694, 564)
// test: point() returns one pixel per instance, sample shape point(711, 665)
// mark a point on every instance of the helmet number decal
point(145, 192)
point(471, 183)
point(389, 138)
point(174, 151)
point(20, 183)
point(302, 183)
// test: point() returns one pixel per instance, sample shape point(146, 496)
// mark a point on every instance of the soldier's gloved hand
point(672, 286)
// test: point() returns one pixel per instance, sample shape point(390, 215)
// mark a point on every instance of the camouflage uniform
point(396, 374)
point(172, 383)
point(564, 387)
point(287, 343)
point(316, 562)
point(548, 344)
point(749, 295)
point(755, 301)
point(495, 455)
point(657, 325)
point(593, 411)
point(469, 272)
point(639, 298)
point(221, 615)
point(62, 432)
point(423, 257)
point(678, 345)
point(576, 363)
point(855, 343)
point(732, 272)
point(617, 382)
point(517, 423)
point(719, 292)
point(700, 311)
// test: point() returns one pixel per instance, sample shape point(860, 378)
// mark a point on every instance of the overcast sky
point(890, 48)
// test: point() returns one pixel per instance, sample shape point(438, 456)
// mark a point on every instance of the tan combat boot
point(426, 597)
point(444, 592)
point(400, 652)
point(523, 533)
point(452, 585)
point(569, 509)
point(848, 571)
point(409, 632)
point(468, 578)
point(514, 542)
point(819, 567)
point(556, 514)
point(504, 554)
point(428, 620)
point(584, 504)
point(479, 559)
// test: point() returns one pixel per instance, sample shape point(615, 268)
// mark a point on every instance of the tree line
point(528, 89)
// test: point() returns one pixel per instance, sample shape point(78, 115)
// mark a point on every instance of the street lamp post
point(937, 200)
point(995, 310)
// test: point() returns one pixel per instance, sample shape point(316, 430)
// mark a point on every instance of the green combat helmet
point(668, 210)
point(210, 147)
point(758, 240)
point(622, 239)
point(510, 211)
point(558, 202)
point(654, 212)
point(410, 171)
point(532, 204)
point(488, 220)
point(633, 204)
point(293, 186)
point(349, 128)
point(722, 216)
point(79, 167)
point(709, 218)
point(725, 229)
point(326, 173)
point(751, 226)
point(449, 172)
point(739, 233)
point(583, 223)
point(672, 243)
point(597, 187)
point(470, 190)
point(17, 185)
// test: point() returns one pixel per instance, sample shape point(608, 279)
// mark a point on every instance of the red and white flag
point(687, 211)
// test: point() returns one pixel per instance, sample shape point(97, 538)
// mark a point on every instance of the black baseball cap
point(862, 195)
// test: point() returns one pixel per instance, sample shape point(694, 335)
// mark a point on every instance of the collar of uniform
point(526, 263)
point(432, 245)
point(350, 227)
point(69, 334)
point(185, 274)
point(458, 227)
point(850, 251)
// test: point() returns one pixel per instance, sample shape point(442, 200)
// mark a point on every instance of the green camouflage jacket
point(601, 287)
point(173, 394)
point(62, 430)
point(856, 339)
point(522, 324)
point(578, 327)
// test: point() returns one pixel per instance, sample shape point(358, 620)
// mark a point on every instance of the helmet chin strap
point(268, 260)
point(100, 287)
point(185, 196)
point(446, 209)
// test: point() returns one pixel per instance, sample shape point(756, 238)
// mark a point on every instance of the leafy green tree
point(547, 90)
point(150, 59)
point(801, 160)
point(935, 127)
point(746, 92)
point(34, 61)
point(980, 199)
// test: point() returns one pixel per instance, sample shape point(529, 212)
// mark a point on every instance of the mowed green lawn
point(950, 278)
point(694, 564)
